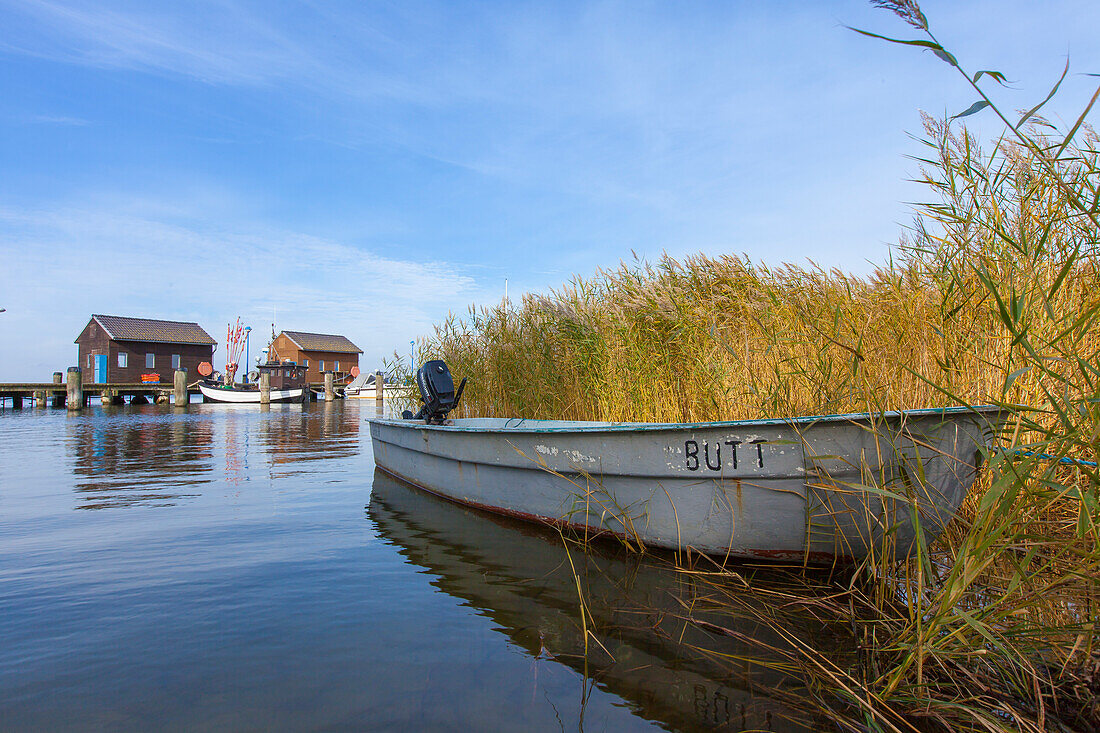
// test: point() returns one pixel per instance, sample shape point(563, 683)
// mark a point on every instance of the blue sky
point(365, 167)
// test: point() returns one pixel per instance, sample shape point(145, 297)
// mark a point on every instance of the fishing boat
point(288, 384)
point(287, 379)
point(809, 489)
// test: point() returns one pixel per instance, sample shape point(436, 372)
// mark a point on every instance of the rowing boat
point(809, 489)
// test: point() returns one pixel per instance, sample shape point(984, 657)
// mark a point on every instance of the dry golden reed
point(992, 296)
point(720, 338)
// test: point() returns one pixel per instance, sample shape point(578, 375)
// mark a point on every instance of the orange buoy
point(354, 372)
point(205, 369)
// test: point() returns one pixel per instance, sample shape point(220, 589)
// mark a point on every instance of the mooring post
point(265, 387)
point(179, 387)
point(379, 391)
point(74, 389)
point(330, 390)
point(40, 398)
point(57, 398)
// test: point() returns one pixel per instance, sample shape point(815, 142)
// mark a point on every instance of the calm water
point(229, 568)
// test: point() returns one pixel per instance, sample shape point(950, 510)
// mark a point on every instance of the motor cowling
point(437, 392)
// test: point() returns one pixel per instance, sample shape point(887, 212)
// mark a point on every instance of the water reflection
point(139, 458)
point(318, 431)
point(519, 576)
point(151, 456)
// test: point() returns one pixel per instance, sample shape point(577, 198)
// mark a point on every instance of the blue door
point(100, 368)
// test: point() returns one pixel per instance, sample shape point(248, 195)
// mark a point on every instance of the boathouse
point(318, 352)
point(119, 350)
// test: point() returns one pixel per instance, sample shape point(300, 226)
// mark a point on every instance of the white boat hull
point(389, 393)
point(240, 396)
point(806, 489)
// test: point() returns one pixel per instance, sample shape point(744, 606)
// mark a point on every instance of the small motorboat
point(808, 489)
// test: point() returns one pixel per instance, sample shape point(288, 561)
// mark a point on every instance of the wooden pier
point(73, 392)
point(70, 391)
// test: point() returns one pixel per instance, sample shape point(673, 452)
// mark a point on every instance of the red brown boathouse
point(119, 350)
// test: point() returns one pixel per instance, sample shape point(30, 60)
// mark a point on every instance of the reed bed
point(991, 296)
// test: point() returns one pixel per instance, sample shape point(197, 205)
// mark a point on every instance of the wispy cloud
point(80, 261)
point(59, 120)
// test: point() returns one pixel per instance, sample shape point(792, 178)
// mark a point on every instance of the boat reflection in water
point(152, 456)
point(518, 575)
point(318, 431)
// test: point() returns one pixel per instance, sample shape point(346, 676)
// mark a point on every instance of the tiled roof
point(322, 342)
point(121, 328)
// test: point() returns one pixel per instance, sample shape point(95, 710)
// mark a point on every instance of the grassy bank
point(991, 297)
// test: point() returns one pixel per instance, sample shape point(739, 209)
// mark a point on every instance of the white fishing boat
point(287, 379)
point(809, 489)
point(248, 393)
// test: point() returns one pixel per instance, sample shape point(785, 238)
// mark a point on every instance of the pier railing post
point(74, 389)
point(330, 390)
point(379, 391)
point(265, 387)
point(179, 387)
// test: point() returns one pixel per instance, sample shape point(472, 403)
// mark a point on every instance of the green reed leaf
point(946, 56)
point(915, 42)
point(1077, 124)
point(976, 107)
point(994, 75)
point(1014, 376)
point(1053, 91)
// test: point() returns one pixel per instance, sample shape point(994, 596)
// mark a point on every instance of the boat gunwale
point(588, 426)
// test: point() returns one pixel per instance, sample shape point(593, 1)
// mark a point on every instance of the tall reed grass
point(992, 296)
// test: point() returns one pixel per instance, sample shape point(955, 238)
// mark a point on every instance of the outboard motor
point(437, 392)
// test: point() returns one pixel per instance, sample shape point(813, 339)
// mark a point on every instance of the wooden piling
point(40, 397)
point(330, 390)
point(58, 399)
point(265, 387)
point(17, 402)
point(379, 391)
point(74, 389)
point(179, 387)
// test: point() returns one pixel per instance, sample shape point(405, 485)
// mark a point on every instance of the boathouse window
point(89, 361)
point(306, 362)
point(336, 367)
point(123, 359)
point(175, 361)
point(321, 366)
point(150, 361)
